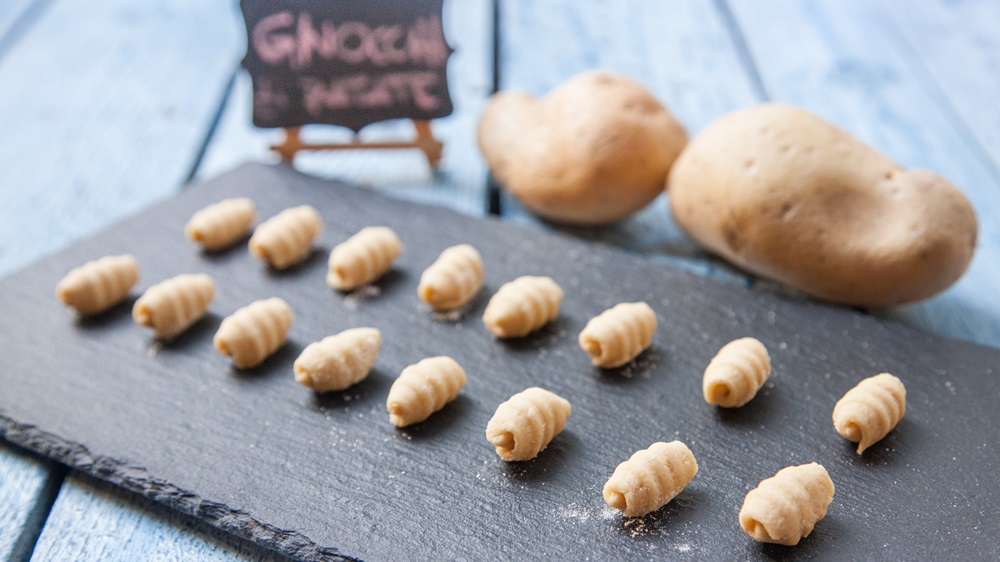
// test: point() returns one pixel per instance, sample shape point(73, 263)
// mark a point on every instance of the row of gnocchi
point(519, 307)
point(864, 415)
point(524, 425)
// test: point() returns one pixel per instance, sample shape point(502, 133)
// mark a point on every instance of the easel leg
point(289, 146)
point(431, 147)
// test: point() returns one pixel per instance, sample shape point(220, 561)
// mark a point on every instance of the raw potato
point(592, 151)
point(786, 195)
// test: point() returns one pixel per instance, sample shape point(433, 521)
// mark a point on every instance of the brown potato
point(592, 151)
point(786, 195)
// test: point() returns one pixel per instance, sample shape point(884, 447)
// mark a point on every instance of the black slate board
point(309, 475)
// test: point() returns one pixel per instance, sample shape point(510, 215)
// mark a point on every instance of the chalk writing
point(346, 63)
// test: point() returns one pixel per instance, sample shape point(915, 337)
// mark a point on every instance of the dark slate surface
point(309, 475)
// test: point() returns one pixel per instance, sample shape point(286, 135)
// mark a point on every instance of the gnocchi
point(650, 478)
point(453, 279)
point(619, 334)
point(172, 306)
point(286, 238)
point(736, 373)
point(870, 410)
point(785, 508)
point(424, 388)
point(98, 285)
point(251, 334)
point(364, 257)
point(339, 361)
point(525, 424)
point(522, 306)
point(221, 224)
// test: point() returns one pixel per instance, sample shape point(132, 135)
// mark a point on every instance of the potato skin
point(786, 195)
point(594, 150)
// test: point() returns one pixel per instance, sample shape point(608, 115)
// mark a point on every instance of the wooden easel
point(425, 141)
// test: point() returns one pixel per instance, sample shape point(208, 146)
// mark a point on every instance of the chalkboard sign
point(346, 62)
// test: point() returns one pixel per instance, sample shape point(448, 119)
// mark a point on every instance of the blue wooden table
point(111, 106)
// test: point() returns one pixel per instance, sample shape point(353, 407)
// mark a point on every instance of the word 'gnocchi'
point(339, 361)
point(784, 508)
point(363, 258)
point(522, 306)
point(525, 424)
point(453, 279)
point(424, 388)
point(251, 334)
point(870, 410)
point(98, 285)
point(619, 334)
point(650, 478)
point(736, 373)
point(172, 306)
point(221, 224)
point(286, 238)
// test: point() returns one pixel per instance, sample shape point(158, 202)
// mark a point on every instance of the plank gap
point(493, 199)
point(742, 49)
point(213, 126)
point(24, 546)
point(24, 22)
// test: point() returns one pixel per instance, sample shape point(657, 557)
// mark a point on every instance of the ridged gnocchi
point(424, 388)
point(525, 424)
point(339, 361)
point(453, 279)
point(619, 334)
point(251, 334)
point(650, 478)
point(286, 238)
point(784, 508)
point(98, 285)
point(522, 306)
point(172, 306)
point(221, 224)
point(736, 373)
point(363, 258)
point(870, 410)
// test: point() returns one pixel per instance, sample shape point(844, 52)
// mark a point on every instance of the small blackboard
point(348, 62)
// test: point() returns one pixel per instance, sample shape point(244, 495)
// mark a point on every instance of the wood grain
point(10, 12)
point(959, 50)
point(22, 480)
point(259, 455)
point(91, 147)
point(460, 182)
point(122, 526)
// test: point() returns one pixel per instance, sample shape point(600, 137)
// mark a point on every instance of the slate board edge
point(137, 479)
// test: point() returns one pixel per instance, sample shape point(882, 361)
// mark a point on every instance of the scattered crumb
point(448, 316)
point(357, 296)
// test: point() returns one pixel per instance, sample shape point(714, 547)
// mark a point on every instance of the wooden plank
point(23, 479)
point(259, 454)
point(460, 181)
point(958, 44)
point(93, 520)
point(833, 57)
point(108, 103)
point(681, 51)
